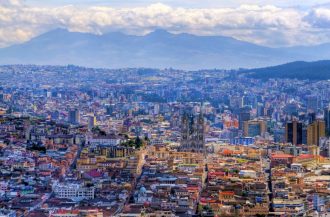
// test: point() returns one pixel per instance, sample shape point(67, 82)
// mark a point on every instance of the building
point(242, 141)
point(91, 122)
point(260, 110)
point(108, 140)
point(254, 128)
point(76, 213)
point(192, 133)
point(327, 120)
point(74, 116)
point(315, 131)
point(294, 132)
point(73, 191)
point(244, 115)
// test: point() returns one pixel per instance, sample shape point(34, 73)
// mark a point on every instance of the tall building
point(254, 128)
point(294, 132)
point(327, 120)
point(260, 110)
point(311, 117)
point(315, 131)
point(192, 133)
point(91, 122)
point(74, 116)
point(244, 115)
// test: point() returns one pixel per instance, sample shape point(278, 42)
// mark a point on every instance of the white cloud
point(268, 25)
point(319, 17)
point(11, 3)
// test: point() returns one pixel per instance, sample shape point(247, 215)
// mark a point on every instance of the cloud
point(11, 3)
point(319, 18)
point(267, 25)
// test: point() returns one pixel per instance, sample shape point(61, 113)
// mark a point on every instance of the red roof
point(305, 156)
point(212, 174)
point(281, 156)
point(227, 193)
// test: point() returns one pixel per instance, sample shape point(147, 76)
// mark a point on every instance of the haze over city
point(144, 108)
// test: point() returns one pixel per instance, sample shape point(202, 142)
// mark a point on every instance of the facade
point(91, 122)
point(74, 116)
point(109, 140)
point(315, 131)
point(73, 191)
point(327, 120)
point(254, 128)
point(192, 133)
point(294, 132)
point(244, 115)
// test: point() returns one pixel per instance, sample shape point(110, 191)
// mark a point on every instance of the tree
point(138, 142)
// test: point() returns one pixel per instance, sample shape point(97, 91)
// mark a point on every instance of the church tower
point(192, 133)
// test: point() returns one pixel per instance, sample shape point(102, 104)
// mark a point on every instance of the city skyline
point(164, 108)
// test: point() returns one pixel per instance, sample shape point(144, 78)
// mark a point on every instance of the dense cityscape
point(134, 142)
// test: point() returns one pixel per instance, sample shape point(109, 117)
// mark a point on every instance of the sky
point(181, 3)
point(274, 23)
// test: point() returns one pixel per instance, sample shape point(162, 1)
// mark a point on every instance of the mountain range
point(158, 49)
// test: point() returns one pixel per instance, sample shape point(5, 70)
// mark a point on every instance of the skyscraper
point(293, 132)
point(327, 120)
point(91, 122)
point(192, 133)
point(74, 116)
point(254, 128)
point(244, 115)
point(315, 131)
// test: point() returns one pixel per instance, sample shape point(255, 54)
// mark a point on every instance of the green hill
point(319, 70)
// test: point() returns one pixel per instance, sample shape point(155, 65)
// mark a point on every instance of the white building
point(73, 191)
point(109, 140)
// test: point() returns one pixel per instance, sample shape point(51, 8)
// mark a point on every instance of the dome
point(143, 190)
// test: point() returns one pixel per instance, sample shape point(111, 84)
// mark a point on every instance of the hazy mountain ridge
point(159, 49)
point(319, 70)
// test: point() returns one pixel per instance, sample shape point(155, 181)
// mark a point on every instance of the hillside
point(319, 70)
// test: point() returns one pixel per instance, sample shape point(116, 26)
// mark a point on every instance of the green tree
point(138, 142)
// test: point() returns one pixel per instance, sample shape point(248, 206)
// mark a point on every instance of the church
point(192, 133)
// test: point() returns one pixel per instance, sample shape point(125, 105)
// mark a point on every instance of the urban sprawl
point(137, 142)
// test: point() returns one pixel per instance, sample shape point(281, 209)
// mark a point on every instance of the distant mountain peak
point(158, 49)
point(159, 32)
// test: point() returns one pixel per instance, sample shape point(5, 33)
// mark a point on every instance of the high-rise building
point(91, 122)
point(327, 120)
point(315, 131)
point(192, 133)
point(260, 110)
point(293, 132)
point(254, 128)
point(74, 116)
point(244, 115)
point(311, 117)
